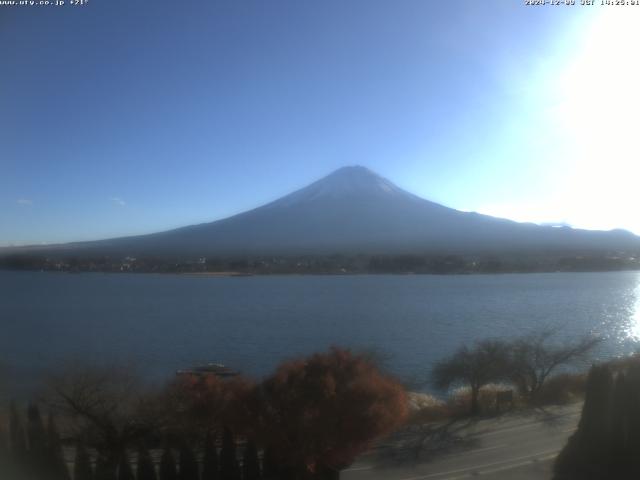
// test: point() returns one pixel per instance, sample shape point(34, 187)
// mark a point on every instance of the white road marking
point(474, 469)
point(357, 469)
point(493, 467)
point(510, 429)
point(503, 469)
point(476, 450)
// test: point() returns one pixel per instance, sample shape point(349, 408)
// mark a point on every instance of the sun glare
point(599, 114)
point(586, 127)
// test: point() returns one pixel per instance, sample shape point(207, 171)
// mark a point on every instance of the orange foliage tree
point(203, 404)
point(317, 414)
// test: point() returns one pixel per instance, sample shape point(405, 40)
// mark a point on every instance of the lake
point(163, 323)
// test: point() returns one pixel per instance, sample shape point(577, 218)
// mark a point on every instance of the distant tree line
point(308, 420)
point(330, 264)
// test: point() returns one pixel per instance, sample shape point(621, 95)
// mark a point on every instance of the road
point(515, 446)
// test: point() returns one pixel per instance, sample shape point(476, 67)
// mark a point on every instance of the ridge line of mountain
point(350, 211)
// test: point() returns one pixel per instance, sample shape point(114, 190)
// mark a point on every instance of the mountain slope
point(353, 210)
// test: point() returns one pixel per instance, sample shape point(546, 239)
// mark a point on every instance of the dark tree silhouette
point(320, 412)
point(145, 469)
point(250, 462)
point(270, 468)
point(106, 468)
point(82, 465)
point(585, 455)
point(210, 470)
point(620, 425)
point(475, 367)
point(7, 465)
point(124, 468)
point(607, 440)
point(229, 469)
point(17, 437)
point(188, 464)
point(37, 441)
point(632, 406)
point(55, 455)
point(168, 466)
point(4, 445)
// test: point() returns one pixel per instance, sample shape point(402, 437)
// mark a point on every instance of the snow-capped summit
point(347, 182)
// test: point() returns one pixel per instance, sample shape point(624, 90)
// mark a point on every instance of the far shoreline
point(233, 274)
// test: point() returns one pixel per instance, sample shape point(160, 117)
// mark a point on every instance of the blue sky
point(127, 117)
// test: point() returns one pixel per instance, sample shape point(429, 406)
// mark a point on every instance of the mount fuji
point(354, 210)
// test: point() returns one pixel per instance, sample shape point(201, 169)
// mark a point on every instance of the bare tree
point(476, 366)
point(105, 407)
point(535, 357)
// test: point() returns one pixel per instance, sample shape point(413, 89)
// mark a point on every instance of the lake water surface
point(166, 322)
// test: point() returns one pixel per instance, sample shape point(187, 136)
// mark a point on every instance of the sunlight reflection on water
point(633, 331)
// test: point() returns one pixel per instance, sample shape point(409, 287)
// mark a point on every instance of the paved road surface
point(516, 446)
